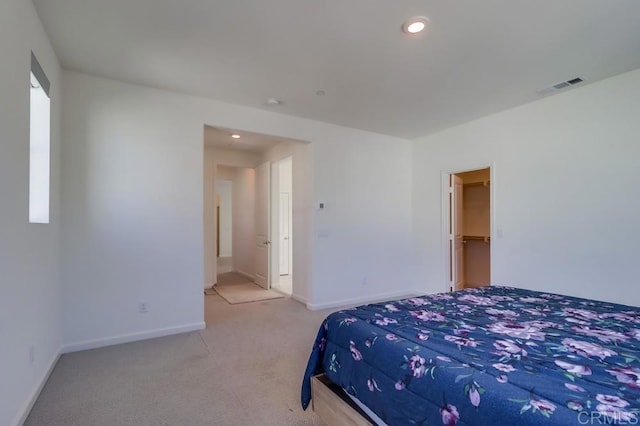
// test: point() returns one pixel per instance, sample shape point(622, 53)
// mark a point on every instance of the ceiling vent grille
point(561, 85)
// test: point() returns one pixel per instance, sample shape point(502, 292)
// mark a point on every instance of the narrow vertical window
point(39, 145)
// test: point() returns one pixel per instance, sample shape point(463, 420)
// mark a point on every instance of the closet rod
point(466, 238)
point(485, 183)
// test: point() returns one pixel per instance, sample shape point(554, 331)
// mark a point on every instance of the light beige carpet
point(245, 368)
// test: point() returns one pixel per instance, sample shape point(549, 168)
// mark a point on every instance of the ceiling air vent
point(560, 86)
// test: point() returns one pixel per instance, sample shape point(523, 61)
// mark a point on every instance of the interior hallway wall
point(286, 187)
point(244, 239)
point(224, 199)
point(226, 161)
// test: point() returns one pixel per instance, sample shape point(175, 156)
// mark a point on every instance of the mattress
point(492, 355)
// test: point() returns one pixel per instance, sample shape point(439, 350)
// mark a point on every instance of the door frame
point(456, 237)
point(263, 241)
point(275, 219)
point(446, 215)
point(281, 244)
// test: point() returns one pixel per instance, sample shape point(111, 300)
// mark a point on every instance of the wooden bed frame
point(332, 404)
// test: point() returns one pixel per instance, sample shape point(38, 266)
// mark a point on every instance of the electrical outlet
point(364, 281)
point(143, 307)
point(32, 354)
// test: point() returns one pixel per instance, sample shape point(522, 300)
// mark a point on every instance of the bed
point(490, 355)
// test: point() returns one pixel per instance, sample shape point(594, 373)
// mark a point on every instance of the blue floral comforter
point(492, 355)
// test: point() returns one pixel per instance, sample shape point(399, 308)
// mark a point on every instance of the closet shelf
point(475, 238)
point(485, 183)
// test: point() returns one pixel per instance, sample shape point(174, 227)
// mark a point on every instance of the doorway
point(469, 202)
point(282, 225)
point(269, 223)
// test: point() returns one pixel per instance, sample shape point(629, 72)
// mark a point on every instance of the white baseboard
point(361, 300)
point(126, 338)
point(300, 299)
point(35, 393)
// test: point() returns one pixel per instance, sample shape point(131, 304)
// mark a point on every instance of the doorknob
point(267, 242)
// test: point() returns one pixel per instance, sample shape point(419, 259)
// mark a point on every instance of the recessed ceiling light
point(235, 136)
point(415, 25)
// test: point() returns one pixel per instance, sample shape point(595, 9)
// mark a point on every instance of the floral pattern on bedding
point(492, 355)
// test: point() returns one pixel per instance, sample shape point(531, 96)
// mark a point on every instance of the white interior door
point(262, 221)
point(285, 235)
point(456, 237)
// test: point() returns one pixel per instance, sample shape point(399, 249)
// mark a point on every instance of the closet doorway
point(469, 229)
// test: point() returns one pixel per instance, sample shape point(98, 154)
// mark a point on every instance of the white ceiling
point(476, 57)
point(215, 137)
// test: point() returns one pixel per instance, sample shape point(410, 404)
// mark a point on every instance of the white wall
point(566, 200)
point(285, 183)
point(224, 196)
point(286, 174)
point(225, 173)
point(362, 238)
point(229, 159)
point(133, 207)
point(244, 238)
point(132, 214)
point(29, 283)
point(225, 177)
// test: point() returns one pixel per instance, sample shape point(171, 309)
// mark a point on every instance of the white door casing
point(285, 235)
point(262, 221)
point(456, 238)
